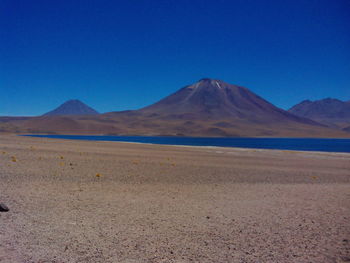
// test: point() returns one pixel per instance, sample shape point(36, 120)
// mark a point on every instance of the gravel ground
point(77, 201)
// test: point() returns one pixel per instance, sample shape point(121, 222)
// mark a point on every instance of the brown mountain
point(72, 107)
point(329, 111)
point(211, 99)
point(206, 108)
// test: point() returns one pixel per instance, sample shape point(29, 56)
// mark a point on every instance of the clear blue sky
point(118, 55)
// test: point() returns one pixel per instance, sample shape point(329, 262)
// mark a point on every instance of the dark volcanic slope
point(72, 107)
point(215, 99)
point(328, 111)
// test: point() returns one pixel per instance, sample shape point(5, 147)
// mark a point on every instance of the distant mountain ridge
point(72, 107)
point(329, 111)
point(207, 108)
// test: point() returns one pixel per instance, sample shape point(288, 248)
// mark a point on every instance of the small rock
point(3, 208)
point(345, 259)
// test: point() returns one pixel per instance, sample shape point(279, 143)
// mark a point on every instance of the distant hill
point(329, 111)
point(208, 107)
point(72, 107)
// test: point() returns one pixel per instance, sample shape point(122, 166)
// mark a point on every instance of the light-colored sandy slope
point(170, 204)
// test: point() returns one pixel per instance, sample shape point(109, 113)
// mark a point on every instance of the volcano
point(72, 107)
point(210, 99)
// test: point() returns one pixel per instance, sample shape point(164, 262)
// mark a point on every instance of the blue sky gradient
point(119, 55)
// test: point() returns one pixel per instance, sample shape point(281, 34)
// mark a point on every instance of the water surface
point(299, 144)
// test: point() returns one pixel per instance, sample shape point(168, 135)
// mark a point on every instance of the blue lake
point(299, 144)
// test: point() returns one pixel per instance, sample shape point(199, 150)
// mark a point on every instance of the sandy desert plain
point(85, 201)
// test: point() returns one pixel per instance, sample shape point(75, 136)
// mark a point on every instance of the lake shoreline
point(288, 144)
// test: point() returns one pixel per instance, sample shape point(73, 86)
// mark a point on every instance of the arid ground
point(76, 201)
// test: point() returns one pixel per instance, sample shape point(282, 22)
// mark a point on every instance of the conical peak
point(75, 101)
point(72, 107)
point(207, 82)
point(214, 99)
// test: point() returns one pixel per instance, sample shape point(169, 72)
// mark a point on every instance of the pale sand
point(170, 204)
